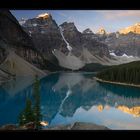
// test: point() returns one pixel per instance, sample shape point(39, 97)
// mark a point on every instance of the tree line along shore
point(124, 74)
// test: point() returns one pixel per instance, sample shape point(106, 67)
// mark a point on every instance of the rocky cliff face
point(2, 55)
point(128, 44)
point(43, 43)
point(47, 36)
point(87, 40)
point(11, 31)
point(45, 33)
point(12, 36)
point(87, 33)
point(73, 37)
point(124, 41)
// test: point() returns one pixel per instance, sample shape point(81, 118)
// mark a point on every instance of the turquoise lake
point(68, 97)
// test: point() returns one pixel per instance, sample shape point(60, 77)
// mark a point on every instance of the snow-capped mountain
point(43, 15)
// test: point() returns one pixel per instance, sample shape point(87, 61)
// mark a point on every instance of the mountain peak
point(88, 31)
point(43, 15)
point(134, 29)
point(70, 26)
point(101, 31)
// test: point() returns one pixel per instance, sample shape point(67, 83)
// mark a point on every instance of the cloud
point(62, 14)
point(67, 17)
point(120, 14)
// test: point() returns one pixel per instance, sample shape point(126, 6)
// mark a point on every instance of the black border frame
point(70, 5)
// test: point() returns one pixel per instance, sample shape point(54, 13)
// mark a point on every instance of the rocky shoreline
point(72, 126)
point(79, 126)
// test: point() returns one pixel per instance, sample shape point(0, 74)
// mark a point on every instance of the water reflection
point(135, 111)
point(69, 97)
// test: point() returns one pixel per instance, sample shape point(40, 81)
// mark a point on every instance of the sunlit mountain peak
point(43, 15)
point(134, 29)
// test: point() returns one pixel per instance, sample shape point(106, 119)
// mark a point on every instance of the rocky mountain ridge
point(125, 41)
point(63, 41)
point(133, 28)
point(47, 45)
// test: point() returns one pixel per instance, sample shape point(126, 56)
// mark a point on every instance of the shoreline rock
point(9, 127)
point(78, 126)
point(72, 126)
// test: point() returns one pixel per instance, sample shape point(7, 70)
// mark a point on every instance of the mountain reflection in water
point(70, 97)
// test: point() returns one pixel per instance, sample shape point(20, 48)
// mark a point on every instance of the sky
point(110, 20)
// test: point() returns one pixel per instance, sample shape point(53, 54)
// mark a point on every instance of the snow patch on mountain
point(113, 54)
point(22, 21)
point(42, 15)
point(61, 32)
point(34, 24)
point(123, 59)
point(124, 55)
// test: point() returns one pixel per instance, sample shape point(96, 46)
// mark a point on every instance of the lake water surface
point(71, 97)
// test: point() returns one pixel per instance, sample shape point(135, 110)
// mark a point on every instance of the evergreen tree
point(126, 73)
point(27, 115)
point(36, 109)
point(21, 119)
point(32, 113)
